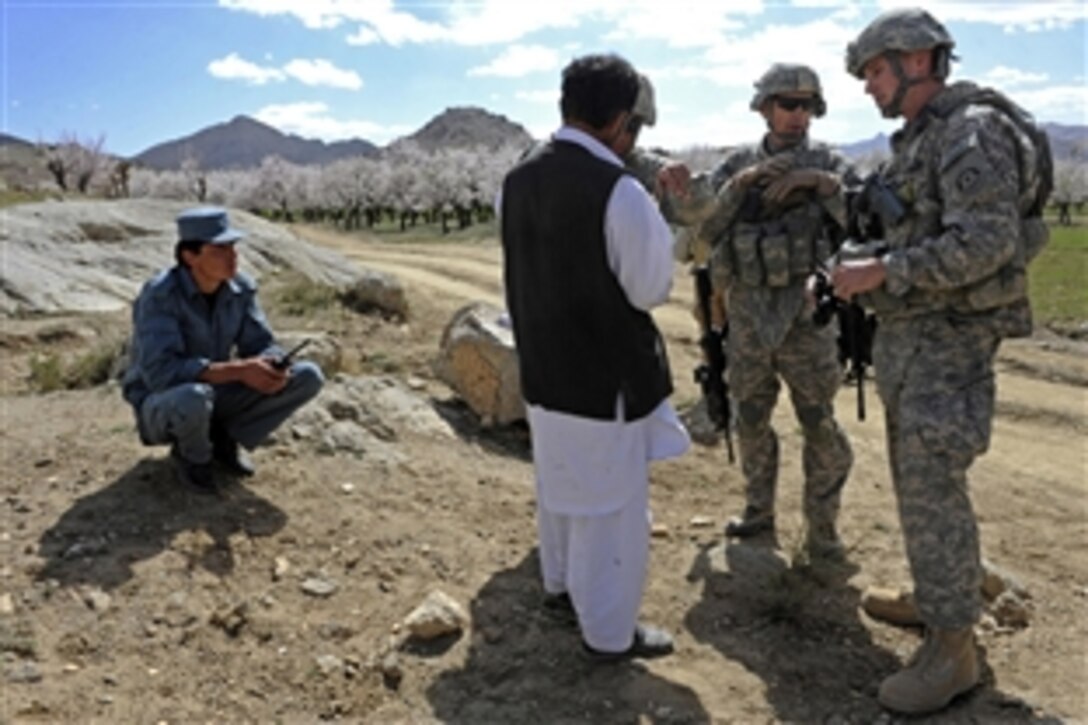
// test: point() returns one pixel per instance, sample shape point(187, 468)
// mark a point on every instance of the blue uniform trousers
point(184, 415)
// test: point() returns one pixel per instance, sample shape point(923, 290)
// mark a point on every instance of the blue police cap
point(206, 224)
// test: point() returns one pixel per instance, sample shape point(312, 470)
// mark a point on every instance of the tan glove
point(821, 182)
point(767, 169)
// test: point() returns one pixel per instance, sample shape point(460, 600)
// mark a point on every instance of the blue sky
point(145, 71)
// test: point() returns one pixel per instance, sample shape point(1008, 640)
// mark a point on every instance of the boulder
point(92, 255)
point(377, 291)
point(478, 360)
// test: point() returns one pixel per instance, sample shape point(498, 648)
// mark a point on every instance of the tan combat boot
point(894, 606)
point(944, 666)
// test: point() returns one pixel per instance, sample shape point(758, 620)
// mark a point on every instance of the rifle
point(855, 332)
point(710, 374)
point(871, 209)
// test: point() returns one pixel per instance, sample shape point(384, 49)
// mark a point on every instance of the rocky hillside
point(467, 127)
point(63, 256)
point(244, 143)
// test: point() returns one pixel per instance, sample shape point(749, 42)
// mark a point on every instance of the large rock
point(366, 416)
point(377, 291)
point(94, 255)
point(478, 360)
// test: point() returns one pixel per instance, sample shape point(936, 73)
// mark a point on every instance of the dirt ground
point(125, 598)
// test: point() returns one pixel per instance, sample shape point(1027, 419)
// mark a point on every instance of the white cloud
point(320, 72)
point(740, 60)
point(364, 36)
point(682, 25)
point(519, 60)
point(395, 28)
point(234, 67)
point(314, 14)
point(1026, 16)
point(1059, 104)
point(1004, 77)
point(497, 22)
point(313, 120)
point(315, 72)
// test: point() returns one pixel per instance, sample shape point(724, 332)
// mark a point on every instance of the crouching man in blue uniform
point(205, 372)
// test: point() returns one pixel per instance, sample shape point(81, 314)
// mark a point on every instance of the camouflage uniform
point(955, 285)
point(764, 258)
point(954, 288)
point(763, 264)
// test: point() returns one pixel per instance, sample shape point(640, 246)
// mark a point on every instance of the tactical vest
point(1007, 286)
point(780, 245)
point(778, 249)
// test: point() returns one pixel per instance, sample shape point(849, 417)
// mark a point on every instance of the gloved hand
point(673, 179)
point(765, 170)
point(822, 182)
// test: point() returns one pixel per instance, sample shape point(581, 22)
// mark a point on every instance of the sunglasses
point(792, 104)
point(633, 125)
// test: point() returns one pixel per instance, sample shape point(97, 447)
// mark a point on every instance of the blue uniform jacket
point(176, 333)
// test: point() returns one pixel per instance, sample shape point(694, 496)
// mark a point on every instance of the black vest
point(580, 342)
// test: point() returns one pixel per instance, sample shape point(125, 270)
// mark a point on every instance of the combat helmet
point(901, 31)
point(788, 78)
point(645, 109)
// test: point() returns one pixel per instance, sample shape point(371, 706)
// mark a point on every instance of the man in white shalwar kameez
point(586, 256)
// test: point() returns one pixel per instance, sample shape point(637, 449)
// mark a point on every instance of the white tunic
point(591, 467)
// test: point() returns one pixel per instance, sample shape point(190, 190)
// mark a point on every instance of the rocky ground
point(125, 598)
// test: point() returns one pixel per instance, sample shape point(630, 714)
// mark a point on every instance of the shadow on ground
point(797, 627)
point(525, 666)
point(511, 440)
point(99, 539)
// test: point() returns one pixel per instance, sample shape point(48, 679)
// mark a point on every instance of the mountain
point(1067, 142)
point(878, 144)
point(9, 140)
point(243, 143)
point(466, 127)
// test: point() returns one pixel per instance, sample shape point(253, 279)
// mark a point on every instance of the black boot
point(230, 455)
point(751, 523)
point(198, 476)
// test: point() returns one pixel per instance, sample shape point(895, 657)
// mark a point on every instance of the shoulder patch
point(967, 178)
point(958, 150)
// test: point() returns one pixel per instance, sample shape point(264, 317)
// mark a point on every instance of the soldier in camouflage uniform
point(947, 284)
point(770, 229)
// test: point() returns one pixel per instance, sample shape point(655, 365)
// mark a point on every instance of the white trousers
point(600, 560)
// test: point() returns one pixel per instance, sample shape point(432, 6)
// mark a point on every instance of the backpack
point(1035, 159)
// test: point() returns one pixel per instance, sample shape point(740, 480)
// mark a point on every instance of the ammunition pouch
point(779, 251)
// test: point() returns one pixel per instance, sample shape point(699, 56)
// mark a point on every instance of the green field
point(1058, 278)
